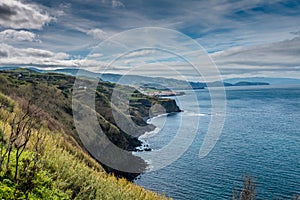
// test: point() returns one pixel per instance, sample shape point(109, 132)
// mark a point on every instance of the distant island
point(271, 81)
point(246, 83)
point(240, 83)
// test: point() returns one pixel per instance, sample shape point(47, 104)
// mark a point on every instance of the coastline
point(145, 146)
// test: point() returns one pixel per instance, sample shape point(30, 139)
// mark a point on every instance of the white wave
point(150, 133)
point(149, 121)
point(193, 114)
point(145, 145)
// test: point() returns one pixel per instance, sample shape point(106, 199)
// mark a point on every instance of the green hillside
point(41, 154)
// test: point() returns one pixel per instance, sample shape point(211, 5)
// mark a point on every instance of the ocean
point(261, 137)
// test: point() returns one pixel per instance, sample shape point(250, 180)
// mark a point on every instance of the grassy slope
point(66, 171)
point(67, 167)
point(53, 93)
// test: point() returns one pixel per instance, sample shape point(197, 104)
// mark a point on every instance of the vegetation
point(37, 163)
point(248, 192)
point(52, 94)
point(41, 154)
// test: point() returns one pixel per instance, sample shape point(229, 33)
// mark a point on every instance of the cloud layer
point(275, 57)
point(244, 38)
point(97, 33)
point(10, 35)
point(29, 56)
point(18, 15)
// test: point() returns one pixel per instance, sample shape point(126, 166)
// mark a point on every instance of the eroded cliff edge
point(53, 94)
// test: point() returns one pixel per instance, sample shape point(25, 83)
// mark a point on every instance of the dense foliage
point(52, 94)
point(41, 155)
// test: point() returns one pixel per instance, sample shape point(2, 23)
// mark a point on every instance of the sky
point(258, 38)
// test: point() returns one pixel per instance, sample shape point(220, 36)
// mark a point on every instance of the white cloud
point(95, 55)
point(17, 14)
point(97, 33)
point(270, 59)
point(280, 54)
point(117, 4)
point(140, 53)
point(23, 56)
point(42, 58)
point(13, 35)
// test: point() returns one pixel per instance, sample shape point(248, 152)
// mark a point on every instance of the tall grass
point(63, 171)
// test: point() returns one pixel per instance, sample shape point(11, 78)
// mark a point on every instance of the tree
point(248, 192)
point(21, 128)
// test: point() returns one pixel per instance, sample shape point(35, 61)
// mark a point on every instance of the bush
point(31, 184)
point(248, 192)
point(51, 165)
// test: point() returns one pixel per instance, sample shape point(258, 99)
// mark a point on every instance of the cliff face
point(52, 165)
point(53, 93)
point(170, 105)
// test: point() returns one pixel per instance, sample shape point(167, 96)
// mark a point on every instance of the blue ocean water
point(261, 137)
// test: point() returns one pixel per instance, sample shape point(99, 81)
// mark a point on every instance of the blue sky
point(244, 38)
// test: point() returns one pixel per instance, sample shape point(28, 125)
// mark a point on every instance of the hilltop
point(165, 84)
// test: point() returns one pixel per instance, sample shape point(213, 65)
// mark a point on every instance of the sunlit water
point(261, 137)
